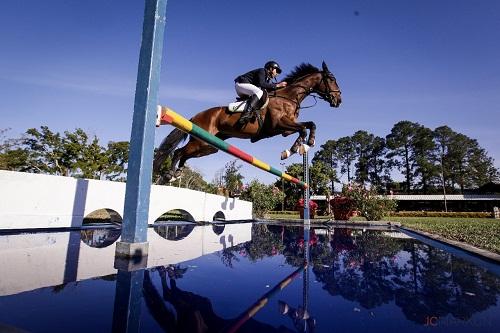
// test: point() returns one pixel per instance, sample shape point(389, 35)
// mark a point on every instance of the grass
point(479, 232)
point(483, 233)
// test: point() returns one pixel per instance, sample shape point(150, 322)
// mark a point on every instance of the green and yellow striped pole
point(168, 116)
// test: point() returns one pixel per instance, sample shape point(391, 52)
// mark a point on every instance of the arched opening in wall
point(218, 228)
point(174, 231)
point(101, 237)
point(175, 215)
point(175, 224)
point(103, 215)
point(101, 228)
point(219, 216)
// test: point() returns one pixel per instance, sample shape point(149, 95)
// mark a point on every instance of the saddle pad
point(235, 107)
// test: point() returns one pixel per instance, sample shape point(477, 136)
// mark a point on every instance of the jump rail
point(168, 116)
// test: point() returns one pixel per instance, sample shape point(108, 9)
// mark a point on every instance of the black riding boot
point(249, 109)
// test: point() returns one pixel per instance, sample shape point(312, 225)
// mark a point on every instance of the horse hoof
point(311, 143)
point(178, 173)
point(285, 154)
point(303, 149)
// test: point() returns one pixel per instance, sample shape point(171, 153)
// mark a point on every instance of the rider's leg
point(247, 89)
point(255, 93)
point(250, 107)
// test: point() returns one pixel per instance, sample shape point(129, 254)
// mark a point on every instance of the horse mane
point(300, 71)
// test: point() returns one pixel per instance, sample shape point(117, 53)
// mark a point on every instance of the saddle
point(241, 102)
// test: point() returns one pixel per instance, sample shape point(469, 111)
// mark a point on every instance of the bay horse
point(278, 117)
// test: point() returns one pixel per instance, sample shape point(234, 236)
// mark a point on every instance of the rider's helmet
point(273, 64)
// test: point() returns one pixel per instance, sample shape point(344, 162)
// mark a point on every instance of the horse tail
point(166, 148)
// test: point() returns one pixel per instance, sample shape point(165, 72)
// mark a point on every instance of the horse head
point(327, 88)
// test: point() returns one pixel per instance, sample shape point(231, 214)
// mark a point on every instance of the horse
point(277, 117)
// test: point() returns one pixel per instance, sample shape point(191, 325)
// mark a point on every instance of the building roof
point(433, 197)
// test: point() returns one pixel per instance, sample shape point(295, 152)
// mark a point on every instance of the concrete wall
point(43, 201)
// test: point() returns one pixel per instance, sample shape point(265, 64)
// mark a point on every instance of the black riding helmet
point(273, 64)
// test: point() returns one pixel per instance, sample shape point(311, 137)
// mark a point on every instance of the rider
point(252, 83)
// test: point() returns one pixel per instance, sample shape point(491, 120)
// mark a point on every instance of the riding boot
point(249, 109)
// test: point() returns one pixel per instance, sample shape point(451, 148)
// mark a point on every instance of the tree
point(328, 155)
point(117, 157)
point(378, 167)
point(363, 145)
point(470, 164)
point(292, 191)
point(443, 136)
point(345, 155)
point(321, 176)
point(399, 141)
point(233, 179)
point(424, 155)
point(263, 197)
point(12, 157)
point(192, 179)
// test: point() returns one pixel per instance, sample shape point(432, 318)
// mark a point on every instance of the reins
point(309, 92)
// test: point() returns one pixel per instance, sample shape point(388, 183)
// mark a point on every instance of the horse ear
point(325, 68)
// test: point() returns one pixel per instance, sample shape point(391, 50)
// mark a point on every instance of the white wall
point(43, 201)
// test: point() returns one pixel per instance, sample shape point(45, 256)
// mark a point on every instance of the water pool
point(244, 277)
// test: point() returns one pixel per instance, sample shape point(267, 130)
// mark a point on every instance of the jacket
point(258, 78)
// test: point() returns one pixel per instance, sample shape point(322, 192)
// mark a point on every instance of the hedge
point(442, 214)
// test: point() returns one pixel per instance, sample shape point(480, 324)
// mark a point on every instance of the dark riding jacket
point(258, 78)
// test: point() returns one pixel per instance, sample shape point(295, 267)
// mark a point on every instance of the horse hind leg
point(194, 148)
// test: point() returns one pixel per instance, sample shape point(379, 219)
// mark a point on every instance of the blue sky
point(72, 63)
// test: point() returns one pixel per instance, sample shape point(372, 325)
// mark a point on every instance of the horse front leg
point(312, 133)
point(297, 145)
point(288, 127)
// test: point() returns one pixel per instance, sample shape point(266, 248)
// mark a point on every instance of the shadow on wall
point(79, 201)
point(230, 201)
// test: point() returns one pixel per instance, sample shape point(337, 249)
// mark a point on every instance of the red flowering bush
point(367, 202)
point(313, 207)
point(343, 207)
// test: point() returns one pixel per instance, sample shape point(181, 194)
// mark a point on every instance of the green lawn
point(482, 233)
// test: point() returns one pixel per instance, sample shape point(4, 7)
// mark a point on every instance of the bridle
point(327, 94)
point(324, 95)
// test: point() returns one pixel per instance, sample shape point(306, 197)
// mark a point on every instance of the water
point(250, 277)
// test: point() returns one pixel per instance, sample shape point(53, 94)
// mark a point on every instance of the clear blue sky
point(73, 63)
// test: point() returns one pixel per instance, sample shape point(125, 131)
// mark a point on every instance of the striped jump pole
point(168, 116)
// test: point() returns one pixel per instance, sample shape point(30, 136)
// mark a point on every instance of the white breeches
point(248, 89)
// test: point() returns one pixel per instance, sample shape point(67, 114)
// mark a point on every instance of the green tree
point(193, 180)
point(12, 157)
point(117, 158)
point(399, 141)
point(470, 165)
point(321, 176)
point(378, 168)
point(328, 155)
point(346, 155)
point(263, 197)
point(425, 157)
point(233, 179)
point(363, 145)
point(443, 137)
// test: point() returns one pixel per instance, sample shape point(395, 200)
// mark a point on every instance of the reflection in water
point(353, 280)
point(376, 268)
point(100, 237)
point(174, 232)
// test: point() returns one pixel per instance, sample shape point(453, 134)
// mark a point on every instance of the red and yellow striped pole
point(168, 116)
